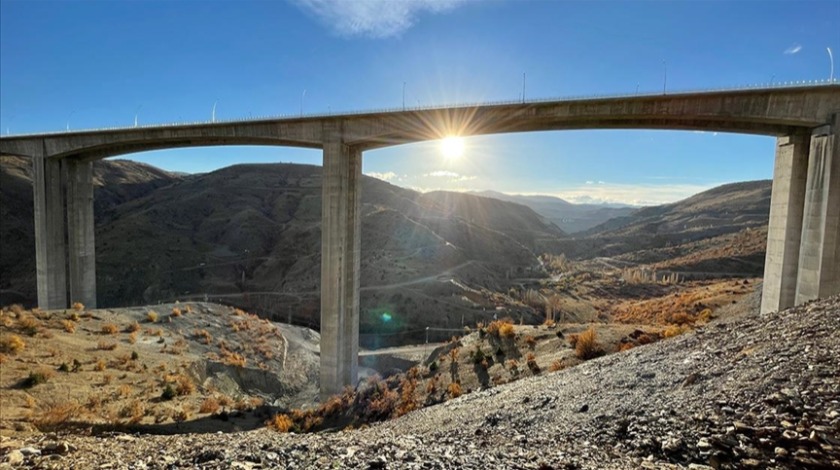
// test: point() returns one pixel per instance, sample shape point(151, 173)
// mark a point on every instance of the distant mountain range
point(572, 218)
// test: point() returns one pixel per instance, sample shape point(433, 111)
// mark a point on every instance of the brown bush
point(152, 317)
point(78, 306)
point(109, 329)
point(625, 346)
point(100, 365)
point(12, 344)
point(133, 328)
point(647, 339)
point(28, 325)
point(454, 390)
point(209, 405)
point(682, 318)
point(587, 346)
point(68, 326)
point(280, 423)
point(176, 312)
point(54, 415)
point(506, 330)
point(203, 336)
point(675, 330)
point(184, 385)
point(556, 365)
point(530, 341)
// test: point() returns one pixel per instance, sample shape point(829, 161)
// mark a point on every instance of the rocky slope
point(753, 391)
point(719, 211)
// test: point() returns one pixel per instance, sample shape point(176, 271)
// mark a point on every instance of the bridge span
point(803, 245)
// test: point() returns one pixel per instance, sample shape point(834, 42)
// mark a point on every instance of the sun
point(452, 147)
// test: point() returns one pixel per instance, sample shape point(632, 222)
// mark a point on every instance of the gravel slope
point(750, 392)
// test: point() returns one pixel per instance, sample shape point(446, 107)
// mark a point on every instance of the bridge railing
point(354, 113)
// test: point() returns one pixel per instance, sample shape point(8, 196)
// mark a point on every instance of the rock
point(29, 451)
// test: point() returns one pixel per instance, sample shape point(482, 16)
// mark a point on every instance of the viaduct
point(803, 244)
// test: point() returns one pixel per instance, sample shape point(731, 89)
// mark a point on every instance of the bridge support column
point(50, 258)
point(340, 263)
point(80, 232)
point(785, 229)
point(819, 255)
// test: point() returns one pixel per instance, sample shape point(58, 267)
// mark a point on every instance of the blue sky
point(88, 64)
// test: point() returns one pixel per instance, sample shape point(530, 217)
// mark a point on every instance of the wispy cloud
point(372, 18)
point(793, 49)
point(387, 176)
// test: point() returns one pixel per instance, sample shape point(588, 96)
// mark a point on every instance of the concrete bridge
point(803, 246)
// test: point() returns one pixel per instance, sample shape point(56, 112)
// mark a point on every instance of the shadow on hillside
point(225, 422)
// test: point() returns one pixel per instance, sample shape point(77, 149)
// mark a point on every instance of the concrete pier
point(819, 256)
point(80, 233)
point(340, 262)
point(785, 228)
point(50, 244)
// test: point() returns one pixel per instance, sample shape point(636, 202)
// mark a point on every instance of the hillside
point(745, 392)
point(249, 235)
point(572, 218)
point(115, 182)
point(719, 211)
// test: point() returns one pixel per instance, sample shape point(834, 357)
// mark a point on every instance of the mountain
point(719, 211)
point(116, 182)
point(249, 235)
point(572, 218)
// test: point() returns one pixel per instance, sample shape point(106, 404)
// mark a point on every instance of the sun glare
point(452, 147)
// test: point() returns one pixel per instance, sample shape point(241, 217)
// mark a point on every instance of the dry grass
point(209, 405)
point(109, 329)
point(12, 344)
point(54, 415)
point(68, 326)
point(104, 345)
point(587, 346)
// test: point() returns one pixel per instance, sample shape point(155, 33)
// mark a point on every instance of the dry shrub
point(107, 379)
point(124, 390)
point(704, 316)
point(74, 316)
point(647, 339)
point(203, 336)
point(68, 326)
point(109, 329)
point(29, 401)
point(573, 339)
point(100, 365)
point(531, 361)
point(3, 358)
point(280, 423)
point(587, 346)
point(12, 344)
point(453, 354)
point(226, 401)
point(54, 415)
point(184, 385)
point(209, 405)
point(682, 318)
point(134, 411)
point(152, 316)
point(233, 359)
point(78, 306)
point(506, 330)
point(133, 328)
point(104, 345)
point(17, 309)
point(675, 330)
point(28, 325)
point(132, 337)
point(530, 341)
point(549, 323)
point(625, 346)
point(454, 390)
point(556, 365)
point(176, 312)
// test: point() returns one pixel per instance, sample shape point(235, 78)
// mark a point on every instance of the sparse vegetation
point(12, 344)
point(587, 346)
